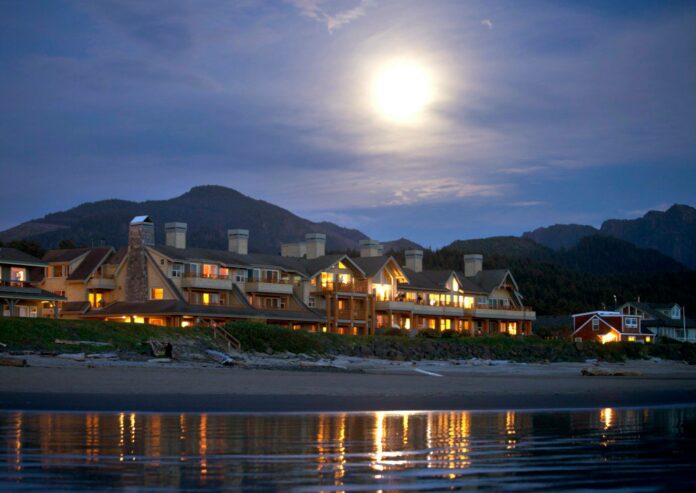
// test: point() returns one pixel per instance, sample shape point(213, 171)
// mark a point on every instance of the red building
point(604, 326)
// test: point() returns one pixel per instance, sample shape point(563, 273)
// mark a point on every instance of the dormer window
point(595, 324)
point(676, 312)
point(60, 270)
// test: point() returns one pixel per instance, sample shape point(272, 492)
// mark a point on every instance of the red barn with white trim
point(606, 326)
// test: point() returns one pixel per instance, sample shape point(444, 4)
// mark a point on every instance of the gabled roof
point(18, 257)
point(652, 309)
point(64, 255)
point(94, 258)
point(489, 280)
point(79, 307)
point(316, 265)
point(372, 265)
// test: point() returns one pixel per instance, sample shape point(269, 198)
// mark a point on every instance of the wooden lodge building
point(175, 285)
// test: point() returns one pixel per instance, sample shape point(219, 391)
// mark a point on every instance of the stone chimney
point(238, 241)
point(473, 264)
point(369, 248)
point(414, 260)
point(175, 234)
point(141, 234)
point(293, 249)
point(315, 244)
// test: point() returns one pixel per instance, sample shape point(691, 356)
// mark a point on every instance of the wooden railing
point(231, 341)
point(347, 287)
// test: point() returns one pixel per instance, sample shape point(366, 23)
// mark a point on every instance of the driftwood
point(103, 356)
point(601, 372)
point(73, 356)
point(161, 349)
point(13, 362)
point(159, 360)
point(81, 343)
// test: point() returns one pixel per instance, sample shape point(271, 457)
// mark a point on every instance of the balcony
point(202, 281)
point(104, 283)
point(9, 286)
point(508, 312)
point(278, 286)
point(421, 308)
point(340, 287)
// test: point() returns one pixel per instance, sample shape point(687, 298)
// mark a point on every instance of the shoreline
point(350, 385)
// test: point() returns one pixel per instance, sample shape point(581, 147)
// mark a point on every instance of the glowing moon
point(401, 90)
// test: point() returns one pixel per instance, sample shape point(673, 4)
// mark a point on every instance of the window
point(240, 276)
point(157, 293)
point(60, 270)
point(96, 300)
point(482, 300)
point(210, 271)
point(631, 338)
point(631, 322)
point(312, 302)
point(648, 339)
point(595, 324)
point(468, 302)
point(224, 273)
point(18, 274)
point(177, 270)
point(194, 269)
point(271, 276)
point(445, 324)
point(431, 323)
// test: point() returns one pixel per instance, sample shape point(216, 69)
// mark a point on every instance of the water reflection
point(607, 448)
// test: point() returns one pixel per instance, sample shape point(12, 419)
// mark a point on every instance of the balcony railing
point(486, 306)
point(200, 275)
point(345, 287)
point(9, 283)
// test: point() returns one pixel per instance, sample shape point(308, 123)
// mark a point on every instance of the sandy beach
point(341, 384)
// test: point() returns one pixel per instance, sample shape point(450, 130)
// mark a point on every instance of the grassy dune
point(40, 334)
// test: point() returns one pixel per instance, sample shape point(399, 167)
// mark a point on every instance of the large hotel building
point(303, 287)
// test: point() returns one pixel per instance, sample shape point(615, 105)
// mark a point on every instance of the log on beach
point(12, 362)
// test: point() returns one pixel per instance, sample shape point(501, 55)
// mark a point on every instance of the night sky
point(535, 113)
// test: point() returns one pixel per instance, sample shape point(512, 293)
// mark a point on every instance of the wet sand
point(352, 384)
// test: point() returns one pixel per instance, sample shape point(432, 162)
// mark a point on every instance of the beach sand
point(273, 384)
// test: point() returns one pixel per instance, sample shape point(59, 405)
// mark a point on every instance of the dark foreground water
point(605, 449)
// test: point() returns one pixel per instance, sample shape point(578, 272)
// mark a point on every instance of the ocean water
point(583, 450)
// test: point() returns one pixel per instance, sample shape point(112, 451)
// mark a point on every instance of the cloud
point(320, 11)
point(488, 23)
point(528, 203)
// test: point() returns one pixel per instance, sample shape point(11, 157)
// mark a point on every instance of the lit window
point(648, 339)
point(631, 338)
point(431, 323)
point(96, 300)
point(341, 265)
point(157, 293)
point(468, 302)
point(407, 323)
point(206, 298)
point(18, 274)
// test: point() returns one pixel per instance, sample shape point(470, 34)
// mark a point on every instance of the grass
point(265, 338)
point(40, 334)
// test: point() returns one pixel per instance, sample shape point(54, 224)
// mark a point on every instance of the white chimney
point(238, 241)
point(473, 264)
point(369, 248)
point(315, 244)
point(414, 260)
point(175, 234)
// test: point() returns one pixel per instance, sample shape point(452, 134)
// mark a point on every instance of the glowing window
point(157, 293)
point(631, 338)
point(341, 265)
point(468, 302)
point(96, 300)
point(206, 298)
point(431, 323)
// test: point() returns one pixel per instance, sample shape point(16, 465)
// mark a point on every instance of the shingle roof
point(371, 265)
point(75, 307)
point(28, 293)
point(94, 258)
point(433, 280)
point(117, 256)
point(18, 257)
point(488, 280)
point(177, 307)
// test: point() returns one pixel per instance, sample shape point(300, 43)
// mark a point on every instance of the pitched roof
point(28, 293)
point(488, 280)
point(313, 266)
point(177, 307)
point(18, 257)
point(372, 265)
point(94, 258)
point(64, 255)
point(116, 256)
point(433, 280)
point(75, 307)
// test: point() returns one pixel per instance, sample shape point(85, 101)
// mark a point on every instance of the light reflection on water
point(629, 449)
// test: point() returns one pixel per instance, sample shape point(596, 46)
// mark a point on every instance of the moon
point(402, 89)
